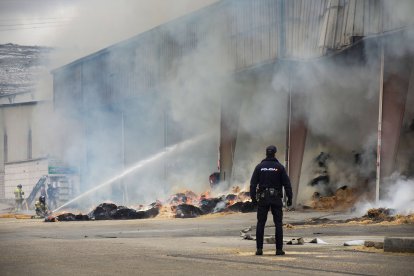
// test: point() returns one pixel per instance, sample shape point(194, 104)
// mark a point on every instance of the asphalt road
point(209, 245)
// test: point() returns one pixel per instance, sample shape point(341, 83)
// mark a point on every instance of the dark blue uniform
point(268, 178)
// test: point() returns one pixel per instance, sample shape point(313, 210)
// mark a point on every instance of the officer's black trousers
point(262, 210)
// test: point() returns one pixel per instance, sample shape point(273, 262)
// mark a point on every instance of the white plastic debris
point(318, 241)
point(354, 243)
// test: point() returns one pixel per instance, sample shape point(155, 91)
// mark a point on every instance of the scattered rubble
point(354, 243)
point(318, 241)
point(380, 215)
point(298, 241)
point(377, 245)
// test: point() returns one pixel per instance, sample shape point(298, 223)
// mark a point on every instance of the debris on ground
point(373, 216)
point(298, 241)
point(288, 226)
point(377, 245)
point(247, 236)
point(318, 241)
point(354, 243)
point(381, 215)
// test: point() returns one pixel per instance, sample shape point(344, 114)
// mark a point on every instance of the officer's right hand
point(254, 201)
point(289, 202)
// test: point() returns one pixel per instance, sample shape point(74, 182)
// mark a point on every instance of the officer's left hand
point(254, 201)
point(289, 202)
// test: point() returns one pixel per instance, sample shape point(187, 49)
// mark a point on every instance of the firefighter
point(19, 197)
point(266, 184)
point(41, 207)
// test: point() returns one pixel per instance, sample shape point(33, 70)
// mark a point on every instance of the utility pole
point(381, 95)
point(288, 124)
point(124, 186)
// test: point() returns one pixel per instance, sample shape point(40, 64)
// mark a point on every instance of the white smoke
point(341, 109)
point(399, 195)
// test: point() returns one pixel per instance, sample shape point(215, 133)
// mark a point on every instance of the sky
point(85, 26)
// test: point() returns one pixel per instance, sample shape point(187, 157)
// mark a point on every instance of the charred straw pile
point(378, 215)
point(180, 205)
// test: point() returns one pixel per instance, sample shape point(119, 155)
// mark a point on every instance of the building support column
point(396, 76)
point(296, 144)
point(229, 124)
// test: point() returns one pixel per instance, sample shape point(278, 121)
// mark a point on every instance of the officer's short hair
point(271, 150)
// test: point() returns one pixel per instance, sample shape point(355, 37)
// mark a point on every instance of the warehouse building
point(302, 74)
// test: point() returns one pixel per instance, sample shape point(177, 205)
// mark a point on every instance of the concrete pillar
point(296, 144)
point(397, 70)
point(229, 124)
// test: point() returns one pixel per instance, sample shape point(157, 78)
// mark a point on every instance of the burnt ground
point(208, 245)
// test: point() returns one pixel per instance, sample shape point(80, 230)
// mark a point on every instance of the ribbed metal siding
point(67, 88)
point(251, 32)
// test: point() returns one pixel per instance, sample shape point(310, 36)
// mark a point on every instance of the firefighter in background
point(41, 208)
point(268, 179)
point(18, 197)
point(214, 179)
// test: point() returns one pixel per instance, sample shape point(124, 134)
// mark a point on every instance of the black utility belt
point(270, 192)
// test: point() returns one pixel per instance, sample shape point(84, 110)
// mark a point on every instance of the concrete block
point(401, 244)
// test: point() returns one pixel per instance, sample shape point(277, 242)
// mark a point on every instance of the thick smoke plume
point(340, 109)
point(399, 197)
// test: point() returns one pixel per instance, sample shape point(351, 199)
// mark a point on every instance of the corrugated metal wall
point(253, 32)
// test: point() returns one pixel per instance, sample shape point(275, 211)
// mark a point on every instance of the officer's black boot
point(259, 251)
point(280, 252)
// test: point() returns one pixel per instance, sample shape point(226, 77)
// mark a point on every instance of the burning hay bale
point(187, 211)
point(180, 205)
point(123, 212)
point(244, 207)
point(67, 217)
point(244, 196)
point(378, 215)
point(343, 198)
point(187, 204)
point(103, 211)
point(108, 211)
point(208, 205)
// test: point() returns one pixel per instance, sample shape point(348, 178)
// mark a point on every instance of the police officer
point(266, 184)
